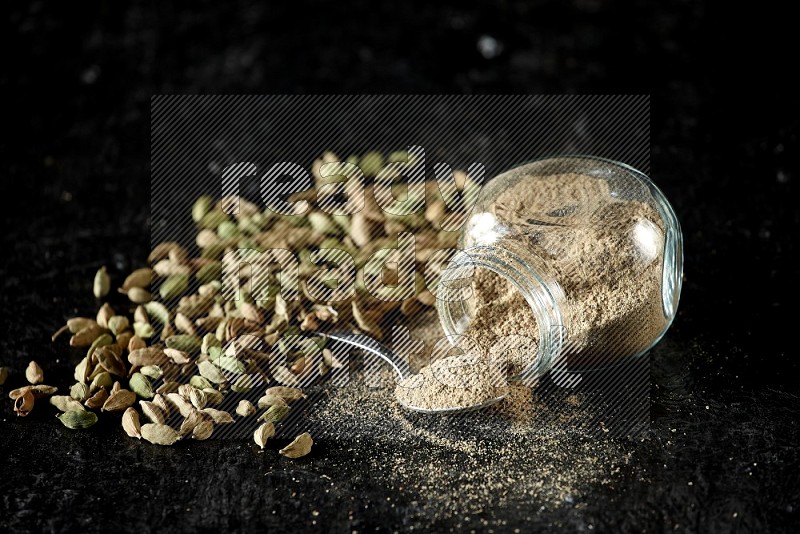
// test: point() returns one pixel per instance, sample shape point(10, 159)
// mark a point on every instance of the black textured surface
point(723, 453)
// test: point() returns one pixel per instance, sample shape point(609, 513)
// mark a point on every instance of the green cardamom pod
point(79, 391)
point(77, 419)
point(263, 433)
point(200, 207)
point(119, 401)
point(141, 385)
point(143, 330)
point(159, 434)
point(185, 342)
point(274, 413)
point(199, 382)
point(157, 311)
point(101, 380)
point(139, 295)
point(130, 423)
point(210, 271)
point(299, 447)
point(174, 286)
point(138, 278)
point(220, 417)
point(211, 372)
point(203, 430)
point(152, 371)
point(118, 324)
point(231, 364)
point(102, 283)
point(244, 383)
point(245, 408)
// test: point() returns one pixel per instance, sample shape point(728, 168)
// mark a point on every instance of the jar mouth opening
point(455, 309)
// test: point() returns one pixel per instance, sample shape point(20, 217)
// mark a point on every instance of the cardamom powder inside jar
point(598, 255)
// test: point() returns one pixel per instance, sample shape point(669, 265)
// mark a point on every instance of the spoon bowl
point(400, 367)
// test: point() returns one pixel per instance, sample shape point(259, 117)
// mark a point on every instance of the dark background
point(75, 169)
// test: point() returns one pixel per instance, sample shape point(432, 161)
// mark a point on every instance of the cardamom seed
point(77, 419)
point(209, 340)
point(119, 401)
point(169, 267)
point(299, 447)
point(130, 423)
point(3, 375)
point(123, 339)
point(159, 434)
point(101, 341)
point(141, 385)
point(184, 324)
point(34, 373)
point(263, 433)
point(102, 283)
point(245, 408)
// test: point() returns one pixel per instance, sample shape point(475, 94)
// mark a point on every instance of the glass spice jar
point(591, 244)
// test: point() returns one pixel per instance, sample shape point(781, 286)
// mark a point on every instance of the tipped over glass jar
point(575, 260)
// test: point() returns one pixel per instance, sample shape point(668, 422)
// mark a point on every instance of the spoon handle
point(372, 346)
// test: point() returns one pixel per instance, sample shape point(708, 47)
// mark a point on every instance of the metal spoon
point(400, 367)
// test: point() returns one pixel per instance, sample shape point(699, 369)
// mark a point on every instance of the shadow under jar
point(591, 244)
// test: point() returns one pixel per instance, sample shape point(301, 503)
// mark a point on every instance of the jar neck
point(527, 273)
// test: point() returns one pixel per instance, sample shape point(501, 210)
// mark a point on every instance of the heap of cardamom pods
point(173, 354)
